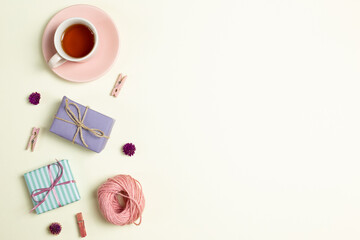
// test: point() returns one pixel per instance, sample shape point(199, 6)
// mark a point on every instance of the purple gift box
point(82, 125)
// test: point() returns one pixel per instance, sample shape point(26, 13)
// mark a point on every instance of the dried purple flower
point(34, 98)
point(129, 149)
point(55, 228)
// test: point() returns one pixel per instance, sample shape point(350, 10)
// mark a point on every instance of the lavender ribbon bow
point(54, 183)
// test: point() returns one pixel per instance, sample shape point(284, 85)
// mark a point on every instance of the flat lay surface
point(244, 115)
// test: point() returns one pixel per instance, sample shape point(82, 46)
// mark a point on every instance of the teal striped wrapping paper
point(39, 178)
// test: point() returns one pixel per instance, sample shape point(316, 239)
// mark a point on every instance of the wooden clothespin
point(33, 138)
point(118, 85)
point(81, 224)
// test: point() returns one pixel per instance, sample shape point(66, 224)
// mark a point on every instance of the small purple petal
point(34, 98)
point(129, 149)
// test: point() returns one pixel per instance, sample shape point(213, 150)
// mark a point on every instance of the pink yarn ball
point(134, 202)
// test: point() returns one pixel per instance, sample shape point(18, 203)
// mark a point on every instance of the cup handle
point(55, 61)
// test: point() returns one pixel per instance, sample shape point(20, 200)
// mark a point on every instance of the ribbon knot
point(51, 188)
point(79, 122)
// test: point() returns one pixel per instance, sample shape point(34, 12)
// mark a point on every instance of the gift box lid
point(64, 126)
point(62, 194)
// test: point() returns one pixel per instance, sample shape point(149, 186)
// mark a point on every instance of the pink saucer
point(105, 54)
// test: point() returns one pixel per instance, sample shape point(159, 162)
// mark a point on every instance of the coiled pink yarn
point(131, 192)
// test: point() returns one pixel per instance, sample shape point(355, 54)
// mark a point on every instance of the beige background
point(245, 115)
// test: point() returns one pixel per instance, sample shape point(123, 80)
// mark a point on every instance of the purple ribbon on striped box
point(52, 186)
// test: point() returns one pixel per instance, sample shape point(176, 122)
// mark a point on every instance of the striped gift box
point(65, 193)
